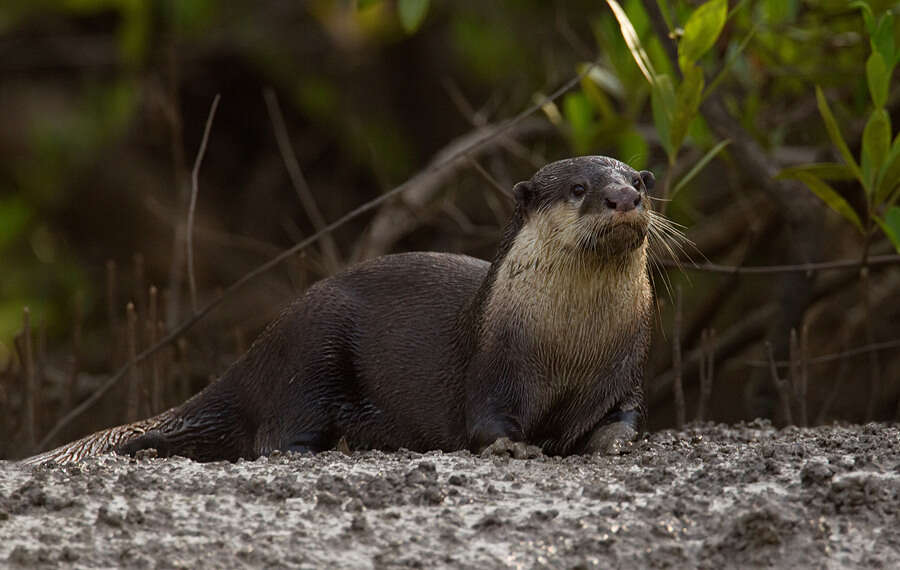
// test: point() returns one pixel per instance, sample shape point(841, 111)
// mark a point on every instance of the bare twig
point(794, 368)
point(847, 264)
point(195, 188)
point(289, 156)
point(781, 386)
point(156, 381)
point(165, 365)
point(804, 373)
point(134, 379)
point(706, 373)
point(461, 103)
point(680, 412)
point(498, 188)
point(826, 358)
point(434, 168)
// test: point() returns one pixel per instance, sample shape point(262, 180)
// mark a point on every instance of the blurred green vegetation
point(105, 102)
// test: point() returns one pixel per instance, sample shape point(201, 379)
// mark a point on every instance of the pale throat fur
point(581, 309)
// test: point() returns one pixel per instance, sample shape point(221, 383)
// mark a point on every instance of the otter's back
point(402, 312)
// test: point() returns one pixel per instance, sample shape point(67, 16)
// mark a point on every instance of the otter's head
point(590, 204)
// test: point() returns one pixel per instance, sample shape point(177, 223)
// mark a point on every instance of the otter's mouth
point(616, 237)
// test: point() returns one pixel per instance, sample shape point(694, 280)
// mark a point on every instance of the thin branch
point(155, 379)
point(195, 189)
point(498, 188)
point(845, 264)
point(177, 332)
point(289, 156)
point(132, 406)
point(804, 373)
point(886, 345)
point(781, 386)
point(707, 364)
point(794, 368)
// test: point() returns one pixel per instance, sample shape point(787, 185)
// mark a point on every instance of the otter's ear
point(648, 179)
point(523, 192)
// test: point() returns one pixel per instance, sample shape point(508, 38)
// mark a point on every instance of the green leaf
point(875, 144)
point(593, 85)
point(701, 31)
point(878, 77)
point(890, 225)
point(633, 149)
point(883, 39)
point(580, 115)
point(662, 102)
point(830, 196)
point(412, 13)
point(687, 101)
point(734, 57)
point(15, 214)
point(695, 170)
point(889, 177)
point(632, 41)
point(823, 170)
point(835, 133)
point(366, 4)
point(868, 17)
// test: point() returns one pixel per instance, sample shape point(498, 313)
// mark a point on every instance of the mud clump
point(710, 496)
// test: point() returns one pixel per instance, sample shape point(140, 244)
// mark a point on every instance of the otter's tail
point(102, 441)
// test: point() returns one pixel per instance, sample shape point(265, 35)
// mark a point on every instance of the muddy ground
point(710, 496)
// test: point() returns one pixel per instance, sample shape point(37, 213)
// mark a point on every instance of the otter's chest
point(571, 326)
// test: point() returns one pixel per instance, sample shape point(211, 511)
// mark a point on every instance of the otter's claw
point(612, 439)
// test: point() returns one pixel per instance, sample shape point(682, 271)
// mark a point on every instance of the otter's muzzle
point(619, 197)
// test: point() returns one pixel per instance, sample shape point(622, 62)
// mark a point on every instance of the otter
point(544, 346)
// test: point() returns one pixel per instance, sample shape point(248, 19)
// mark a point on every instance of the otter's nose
point(621, 198)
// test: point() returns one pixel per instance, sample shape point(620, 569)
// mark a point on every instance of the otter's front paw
point(514, 449)
point(612, 439)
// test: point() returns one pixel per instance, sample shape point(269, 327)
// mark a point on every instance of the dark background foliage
point(104, 104)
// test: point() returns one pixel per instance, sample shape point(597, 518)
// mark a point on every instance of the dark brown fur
point(432, 351)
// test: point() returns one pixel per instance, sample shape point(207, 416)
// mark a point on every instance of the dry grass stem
point(192, 207)
point(330, 251)
point(132, 400)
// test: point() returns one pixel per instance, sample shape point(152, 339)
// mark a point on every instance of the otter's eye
point(578, 190)
point(637, 182)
